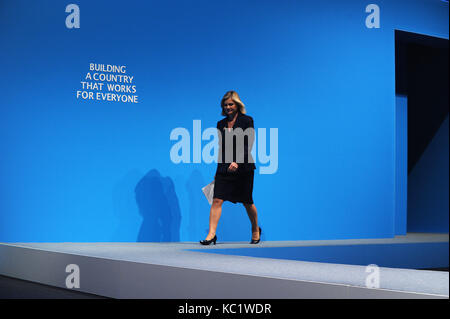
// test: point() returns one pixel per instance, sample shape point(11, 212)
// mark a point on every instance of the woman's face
point(230, 107)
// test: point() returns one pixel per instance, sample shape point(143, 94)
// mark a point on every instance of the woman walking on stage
point(233, 180)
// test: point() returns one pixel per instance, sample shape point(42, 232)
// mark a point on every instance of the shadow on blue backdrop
point(158, 205)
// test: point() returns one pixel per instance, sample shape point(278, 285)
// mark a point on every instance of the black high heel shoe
point(208, 242)
point(257, 241)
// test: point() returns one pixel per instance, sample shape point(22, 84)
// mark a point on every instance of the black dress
point(237, 186)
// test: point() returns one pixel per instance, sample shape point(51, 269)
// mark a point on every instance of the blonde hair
point(235, 97)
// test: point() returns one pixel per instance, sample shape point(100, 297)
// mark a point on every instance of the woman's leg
point(253, 215)
point(214, 216)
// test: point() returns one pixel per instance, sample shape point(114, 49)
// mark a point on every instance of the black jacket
point(242, 121)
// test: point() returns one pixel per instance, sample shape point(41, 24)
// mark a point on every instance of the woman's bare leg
point(214, 216)
point(253, 215)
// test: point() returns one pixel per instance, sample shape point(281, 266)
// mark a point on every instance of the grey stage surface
point(170, 270)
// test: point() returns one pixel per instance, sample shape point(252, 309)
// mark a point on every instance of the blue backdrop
point(89, 170)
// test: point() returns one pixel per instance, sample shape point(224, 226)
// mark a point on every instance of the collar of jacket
point(237, 123)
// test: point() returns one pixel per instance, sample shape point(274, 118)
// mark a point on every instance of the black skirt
point(236, 187)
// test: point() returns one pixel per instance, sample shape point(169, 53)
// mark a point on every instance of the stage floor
point(281, 269)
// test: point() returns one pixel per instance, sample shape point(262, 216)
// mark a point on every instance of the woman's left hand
point(233, 167)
